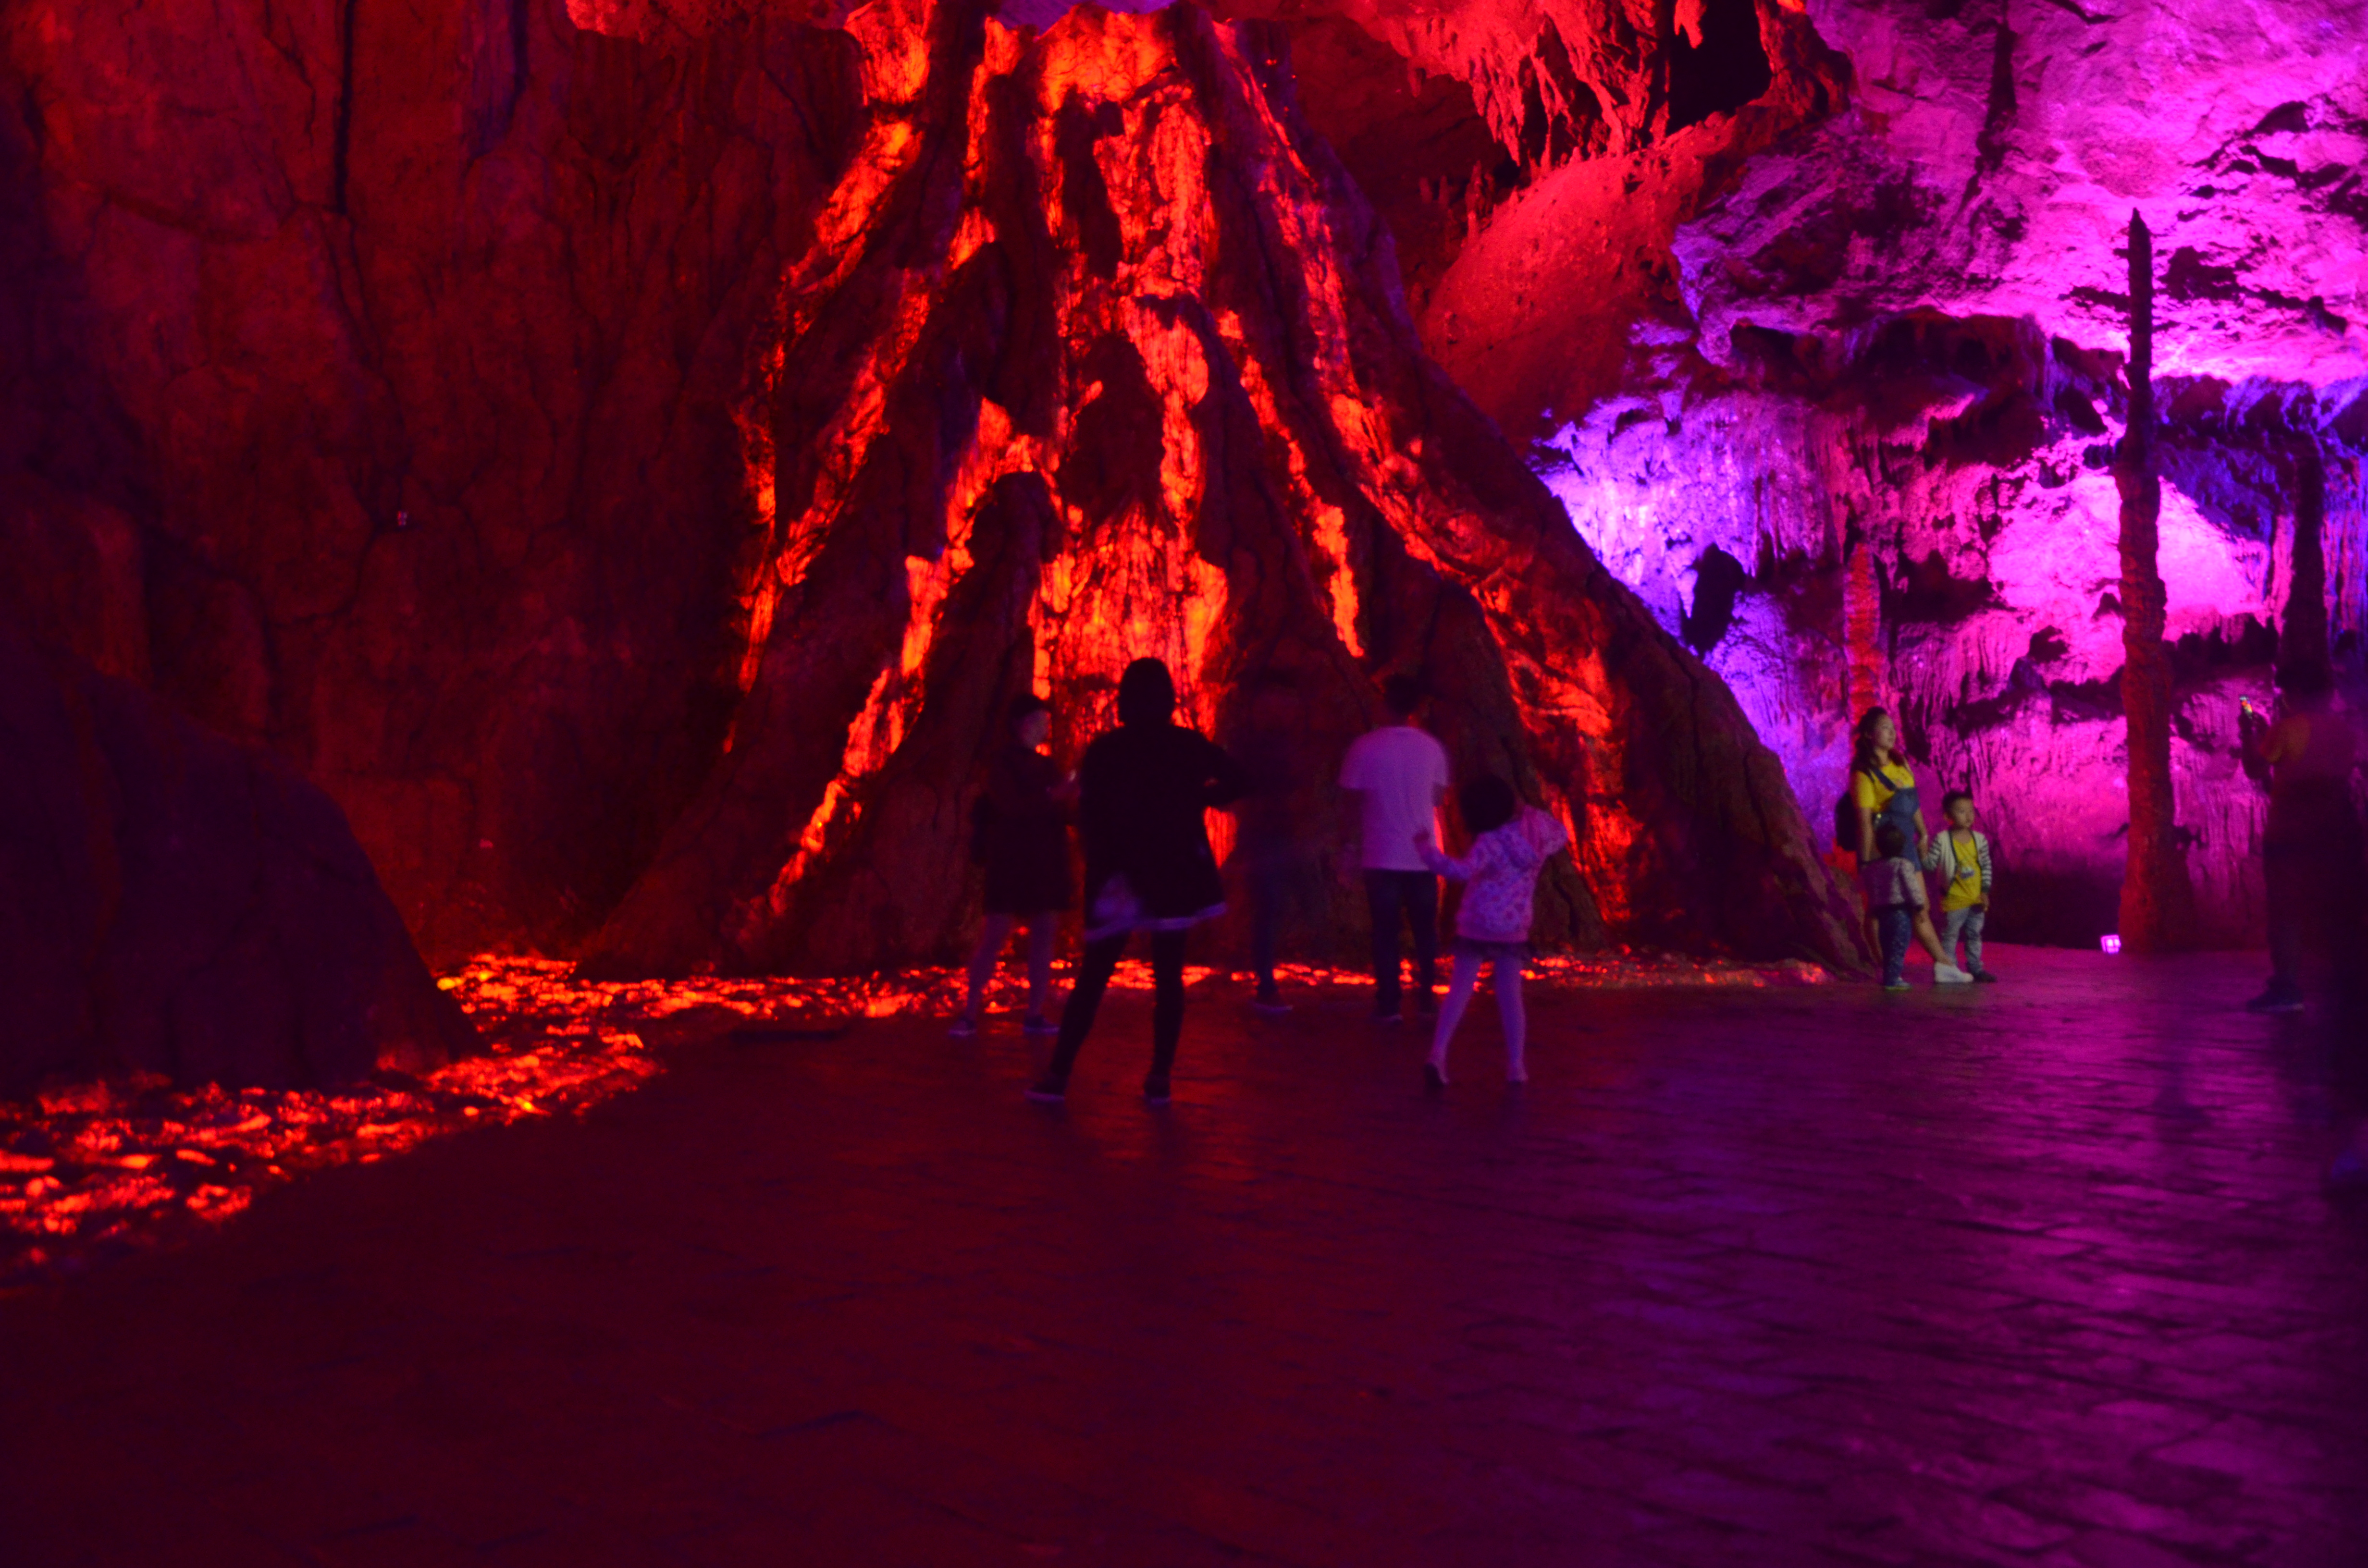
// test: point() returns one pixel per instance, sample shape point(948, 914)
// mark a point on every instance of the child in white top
point(1511, 842)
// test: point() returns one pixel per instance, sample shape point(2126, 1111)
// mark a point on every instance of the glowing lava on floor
point(88, 1171)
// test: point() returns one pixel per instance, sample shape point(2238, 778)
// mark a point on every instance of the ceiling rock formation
point(627, 467)
point(181, 904)
point(1990, 158)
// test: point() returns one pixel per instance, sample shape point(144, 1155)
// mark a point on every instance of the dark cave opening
point(1719, 581)
point(1925, 590)
point(1728, 70)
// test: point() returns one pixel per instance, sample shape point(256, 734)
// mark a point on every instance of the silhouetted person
point(1511, 843)
point(1396, 775)
point(1142, 790)
point(1882, 789)
point(1270, 839)
point(1023, 837)
point(2311, 857)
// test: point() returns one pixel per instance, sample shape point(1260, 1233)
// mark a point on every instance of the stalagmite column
point(2157, 904)
point(1862, 624)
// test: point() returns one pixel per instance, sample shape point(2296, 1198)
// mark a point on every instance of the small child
point(1962, 858)
point(1894, 891)
point(1510, 842)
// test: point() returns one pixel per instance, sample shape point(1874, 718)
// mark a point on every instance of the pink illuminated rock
point(1989, 163)
point(1836, 386)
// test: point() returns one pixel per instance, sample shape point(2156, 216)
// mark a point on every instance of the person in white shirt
point(1396, 775)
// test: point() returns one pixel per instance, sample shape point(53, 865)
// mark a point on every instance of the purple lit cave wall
point(1845, 419)
point(1976, 596)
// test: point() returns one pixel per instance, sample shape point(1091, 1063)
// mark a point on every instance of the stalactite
point(2302, 632)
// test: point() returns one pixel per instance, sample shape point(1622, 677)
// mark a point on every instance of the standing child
point(1510, 842)
point(1962, 856)
point(1894, 897)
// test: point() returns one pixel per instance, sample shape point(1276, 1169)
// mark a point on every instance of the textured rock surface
point(1113, 364)
point(373, 395)
point(1834, 382)
point(634, 446)
point(182, 905)
point(1990, 157)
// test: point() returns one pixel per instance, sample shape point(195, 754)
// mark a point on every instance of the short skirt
point(1495, 952)
point(1117, 910)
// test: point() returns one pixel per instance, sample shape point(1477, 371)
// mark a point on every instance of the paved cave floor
point(2033, 1273)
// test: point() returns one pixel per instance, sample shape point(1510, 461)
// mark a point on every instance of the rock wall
point(1976, 595)
point(368, 385)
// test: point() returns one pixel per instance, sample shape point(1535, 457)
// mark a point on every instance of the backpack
point(1845, 817)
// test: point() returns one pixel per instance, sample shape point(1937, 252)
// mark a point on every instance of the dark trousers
point(1266, 924)
point(1413, 895)
point(1094, 972)
point(2313, 899)
point(1277, 888)
point(1895, 922)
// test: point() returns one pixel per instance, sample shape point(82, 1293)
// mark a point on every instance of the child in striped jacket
point(1962, 856)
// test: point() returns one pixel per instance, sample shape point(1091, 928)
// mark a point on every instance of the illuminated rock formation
point(2157, 910)
point(625, 453)
point(178, 903)
point(1097, 354)
point(1847, 425)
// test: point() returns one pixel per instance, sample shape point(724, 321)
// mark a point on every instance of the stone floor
point(2037, 1273)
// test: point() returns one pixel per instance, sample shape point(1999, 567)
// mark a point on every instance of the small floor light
point(2111, 942)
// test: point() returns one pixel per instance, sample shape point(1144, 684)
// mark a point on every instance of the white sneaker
point(1949, 975)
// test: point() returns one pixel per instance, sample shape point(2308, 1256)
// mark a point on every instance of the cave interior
point(579, 478)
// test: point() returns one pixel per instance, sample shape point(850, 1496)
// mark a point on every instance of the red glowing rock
point(374, 400)
point(1115, 365)
point(627, 471)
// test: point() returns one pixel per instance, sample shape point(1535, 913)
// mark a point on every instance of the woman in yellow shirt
point(1882, 787)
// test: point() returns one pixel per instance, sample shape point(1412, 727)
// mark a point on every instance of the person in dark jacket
point(1270, 841)
point(1142, 790)
point(1024, 840)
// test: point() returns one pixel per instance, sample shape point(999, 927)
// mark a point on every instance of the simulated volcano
point(1097, 353)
